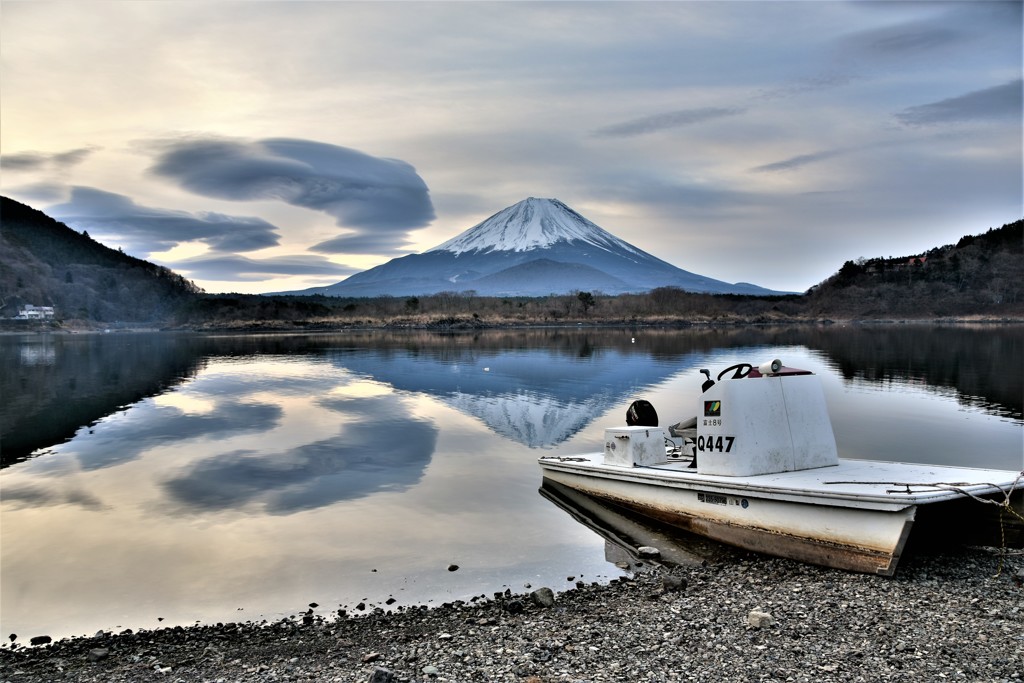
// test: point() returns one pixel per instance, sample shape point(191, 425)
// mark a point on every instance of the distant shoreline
point(11, 327)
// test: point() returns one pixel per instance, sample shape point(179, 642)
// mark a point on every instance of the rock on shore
point(945, 617)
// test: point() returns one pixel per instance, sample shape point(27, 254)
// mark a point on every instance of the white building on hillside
point(30, 312)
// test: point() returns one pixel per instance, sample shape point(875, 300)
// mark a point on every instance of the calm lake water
point(166, 479)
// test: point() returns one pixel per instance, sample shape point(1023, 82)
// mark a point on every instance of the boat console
point(750, 421)
point(762, 421)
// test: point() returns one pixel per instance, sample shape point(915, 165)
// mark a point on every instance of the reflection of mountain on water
point(533, 419)
point(542, 386)
point(54, 385)
point(538, 397)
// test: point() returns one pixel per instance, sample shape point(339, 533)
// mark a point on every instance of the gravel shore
point(943, 617)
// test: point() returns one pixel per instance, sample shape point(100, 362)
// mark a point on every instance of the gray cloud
point(359, 244)
point(998, 102)
point(25, 161)
point(39, 192)
point(799, 160)
point(678, 199)
point(381, 199)
point(144, 229)
point(35, 161)
point(908, 38)
point(241, 269)
point(938, 35)
point(888, 145)
point(911, 38)
point(72, 157)
point(800, 86)
point(660, 122)
point(685, 213)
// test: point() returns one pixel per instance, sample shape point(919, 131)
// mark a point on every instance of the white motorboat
point(757, 467)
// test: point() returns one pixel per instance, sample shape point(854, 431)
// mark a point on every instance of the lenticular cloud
point(366, 194)
point(144, 229)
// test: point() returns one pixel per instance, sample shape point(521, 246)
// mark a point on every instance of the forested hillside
point(45, 263)
point(979, 274)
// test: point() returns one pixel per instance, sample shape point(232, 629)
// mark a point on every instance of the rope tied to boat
point(957, 486)
point(1006, 507)
point(961, 488)
point(564, 458)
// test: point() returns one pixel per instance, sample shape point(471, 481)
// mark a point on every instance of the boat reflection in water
point(624, 533)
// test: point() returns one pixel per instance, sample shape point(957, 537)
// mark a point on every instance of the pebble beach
point(944, 617)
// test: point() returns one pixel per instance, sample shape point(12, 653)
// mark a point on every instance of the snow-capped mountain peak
point(532, 224)
point(537, 247)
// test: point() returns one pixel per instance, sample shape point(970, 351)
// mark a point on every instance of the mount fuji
point(534, 248)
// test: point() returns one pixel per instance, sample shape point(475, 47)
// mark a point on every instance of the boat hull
point(862, 540)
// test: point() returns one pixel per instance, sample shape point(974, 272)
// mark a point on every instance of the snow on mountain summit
point(532, 224)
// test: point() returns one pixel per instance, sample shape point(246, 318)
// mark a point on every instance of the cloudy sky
point(261, 146)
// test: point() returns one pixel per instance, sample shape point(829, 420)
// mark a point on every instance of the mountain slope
point(542, 276)
point(45, 263)
point(491, 258)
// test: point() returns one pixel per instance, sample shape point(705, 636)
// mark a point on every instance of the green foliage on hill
point(45, 263)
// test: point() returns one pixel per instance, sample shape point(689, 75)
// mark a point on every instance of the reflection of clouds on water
point(384, 454)
point(379, 408)
point(147, 426)
point(21, 496)
point(281, 377)
point(279, 436)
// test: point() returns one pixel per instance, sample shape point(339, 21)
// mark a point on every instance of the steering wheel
point(742, 370)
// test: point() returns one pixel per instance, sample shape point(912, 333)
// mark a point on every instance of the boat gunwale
point(813, 492)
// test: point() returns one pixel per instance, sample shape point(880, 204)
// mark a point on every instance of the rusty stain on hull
point(820, 551)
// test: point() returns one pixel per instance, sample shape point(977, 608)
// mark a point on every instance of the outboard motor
point(641, 414)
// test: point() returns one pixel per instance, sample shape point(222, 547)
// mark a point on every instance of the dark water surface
point(157, 479)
